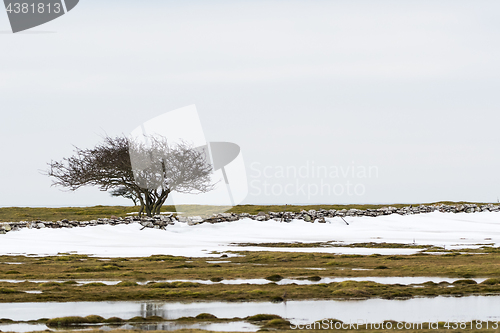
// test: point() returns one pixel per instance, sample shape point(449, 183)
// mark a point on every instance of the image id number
point(39, 8)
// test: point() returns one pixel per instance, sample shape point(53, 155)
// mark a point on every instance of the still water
point(370, 310)
point(404, 280)
point(236, 326)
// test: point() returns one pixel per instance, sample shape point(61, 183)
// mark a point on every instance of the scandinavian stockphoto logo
point(182, 128)
point(26, 14)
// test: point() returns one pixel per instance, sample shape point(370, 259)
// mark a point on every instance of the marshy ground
point(273, 266)
point(56, 278)
point(282, 325)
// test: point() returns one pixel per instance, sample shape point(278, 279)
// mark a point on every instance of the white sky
point(407, 87)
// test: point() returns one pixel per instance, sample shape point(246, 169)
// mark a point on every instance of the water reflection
point(238, 326)
point(22, 327)
point(372, 310)
point(152, 309)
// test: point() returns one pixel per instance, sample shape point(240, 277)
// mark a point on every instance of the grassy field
point(66, 269)
point(15, 214)
point(141, 277)
point(266, 265)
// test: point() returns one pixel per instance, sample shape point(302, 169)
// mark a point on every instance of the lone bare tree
point(145, 170)
point(124, 192)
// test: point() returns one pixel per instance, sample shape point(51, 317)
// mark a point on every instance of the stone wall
point(162, 221)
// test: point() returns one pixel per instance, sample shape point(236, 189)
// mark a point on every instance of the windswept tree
point(146, 170)
point(124, 192)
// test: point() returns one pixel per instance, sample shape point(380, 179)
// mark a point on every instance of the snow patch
point(209, 240)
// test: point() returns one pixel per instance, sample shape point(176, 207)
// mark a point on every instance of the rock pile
point(157, 222)
point(320, 215)
point(162, 221)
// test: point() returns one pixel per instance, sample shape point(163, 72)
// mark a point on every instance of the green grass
point(8, 291)
point(254, 209)
point(94, 319)
point(15, 214)
point(250, 265)
point(271, 265)
point(74, 320)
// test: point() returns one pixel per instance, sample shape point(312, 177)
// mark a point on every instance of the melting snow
point(440, 229)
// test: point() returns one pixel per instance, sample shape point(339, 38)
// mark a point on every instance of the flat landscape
point(250, 275)
point(14, 214)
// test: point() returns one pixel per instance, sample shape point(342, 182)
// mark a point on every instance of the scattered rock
point(6, 227)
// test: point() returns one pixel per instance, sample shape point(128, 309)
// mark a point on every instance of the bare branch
point(142, 172)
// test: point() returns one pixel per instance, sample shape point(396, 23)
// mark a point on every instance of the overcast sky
point(408, 90)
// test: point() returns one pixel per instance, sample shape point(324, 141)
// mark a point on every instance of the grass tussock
point(465, 282)
point(8, 291)
point(114, 320)
point(101, 268)
point(274, 277)
point(158, 257)
point(262, 317)
point(205, 316)
point(278, 323)
point(176, 284)
point(74, 320)
point(491, 281)
point(94, 284)
point(127, 284)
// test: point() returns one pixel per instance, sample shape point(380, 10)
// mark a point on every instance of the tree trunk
point(151, 204)
point(160, 201)
point(139, 196)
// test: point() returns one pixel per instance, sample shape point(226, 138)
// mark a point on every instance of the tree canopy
point(147, 171)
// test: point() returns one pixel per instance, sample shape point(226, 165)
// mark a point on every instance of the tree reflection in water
point(152, 309)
